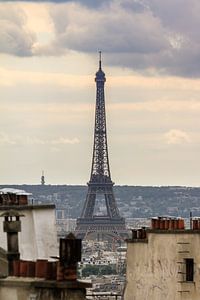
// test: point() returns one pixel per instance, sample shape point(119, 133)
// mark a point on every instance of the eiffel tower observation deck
point(100, 214)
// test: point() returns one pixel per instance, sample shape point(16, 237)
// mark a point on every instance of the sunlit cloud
point(68, 108)
point(11, 77)
point(14, 77)
point(158, 106)
point(5, 139)
point(176, 137)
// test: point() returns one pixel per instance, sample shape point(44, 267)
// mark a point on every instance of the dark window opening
point(189, 262)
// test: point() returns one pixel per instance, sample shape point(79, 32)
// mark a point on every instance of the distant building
point(164, 262)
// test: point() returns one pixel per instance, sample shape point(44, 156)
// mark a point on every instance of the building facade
point(28, 237)
point(38, 238)
point(164, 262)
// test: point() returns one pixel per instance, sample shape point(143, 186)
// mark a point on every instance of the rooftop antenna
point(42, 179)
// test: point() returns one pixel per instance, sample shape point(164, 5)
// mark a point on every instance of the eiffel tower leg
point(89, 205)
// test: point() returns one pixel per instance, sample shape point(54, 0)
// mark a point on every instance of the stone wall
point(156, 266)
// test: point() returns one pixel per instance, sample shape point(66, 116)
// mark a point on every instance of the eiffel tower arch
point(100, 185)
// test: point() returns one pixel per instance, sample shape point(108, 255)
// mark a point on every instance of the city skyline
point(48, 59)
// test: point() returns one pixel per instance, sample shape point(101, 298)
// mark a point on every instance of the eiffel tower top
point(100, 172)
point(100, 75)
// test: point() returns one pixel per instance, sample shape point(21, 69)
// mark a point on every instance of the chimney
point(70, 255)
point(12, 225)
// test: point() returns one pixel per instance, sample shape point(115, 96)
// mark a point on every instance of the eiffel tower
point(100, 186)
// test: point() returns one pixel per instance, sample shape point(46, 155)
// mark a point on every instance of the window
point(59, 214)
point(189, 263)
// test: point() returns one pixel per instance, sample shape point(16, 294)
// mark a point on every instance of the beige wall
point(154, 269)
point(38, 238)
point(3, 264)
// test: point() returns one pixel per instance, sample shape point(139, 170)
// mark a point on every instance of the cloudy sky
point(151, 57)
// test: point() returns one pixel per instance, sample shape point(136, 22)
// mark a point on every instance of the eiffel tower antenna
point(99, 60)
point(100, 185)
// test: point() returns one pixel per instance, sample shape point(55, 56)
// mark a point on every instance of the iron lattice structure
point(100, 184)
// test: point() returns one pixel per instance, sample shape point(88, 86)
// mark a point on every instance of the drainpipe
point(190, 220)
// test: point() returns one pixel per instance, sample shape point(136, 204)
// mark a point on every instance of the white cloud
point(62, 140)
point(176, 137)
point(6, 139)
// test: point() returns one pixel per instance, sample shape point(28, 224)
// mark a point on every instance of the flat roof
point(14, 191)
point(164, 232)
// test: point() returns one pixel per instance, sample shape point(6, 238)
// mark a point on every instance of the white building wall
point(155, 270)
point(38, 238)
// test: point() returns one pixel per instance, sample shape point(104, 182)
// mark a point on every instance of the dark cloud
point(135, 6)
point(14, 39)
point(114, 30)
point(179, 15)
point(145, 35)
point(90, 3)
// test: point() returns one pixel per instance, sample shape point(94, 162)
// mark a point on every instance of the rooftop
point(14, 191)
